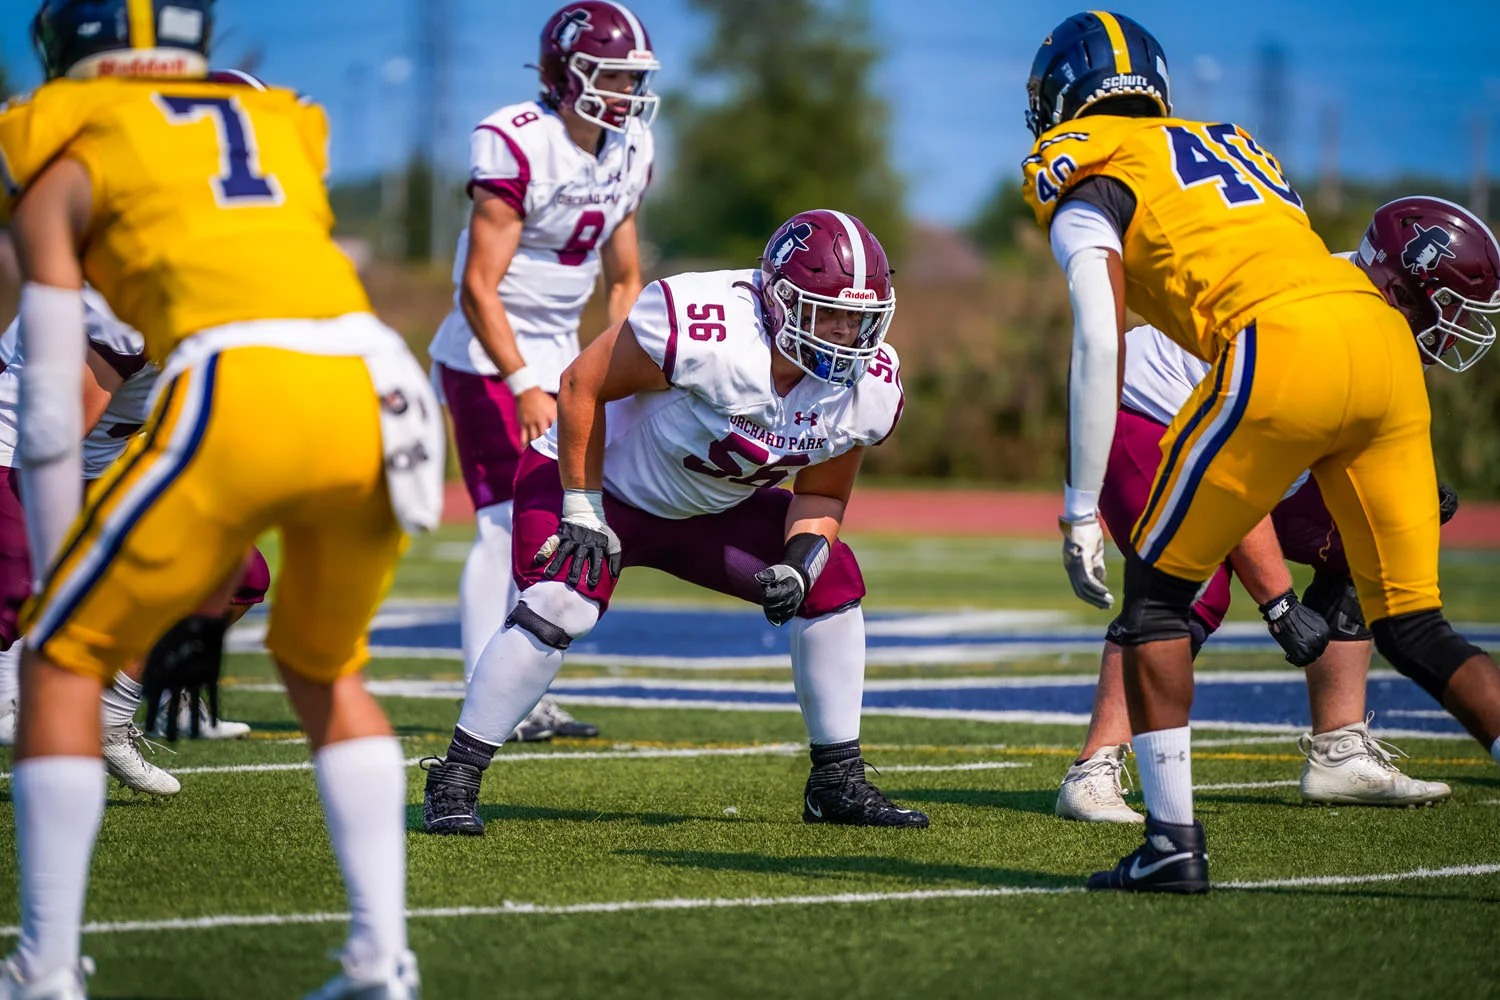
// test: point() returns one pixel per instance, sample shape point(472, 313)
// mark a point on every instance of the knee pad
point(1333, 596)
point(1158, 606)
point(1423, 646)
point(555, 613)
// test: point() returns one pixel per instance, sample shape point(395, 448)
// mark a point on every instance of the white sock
point(59, 802)
point(1165, 763)
point(486, 591)
point(1495, 750)
point(828, 671)
point(10, 674)
point(120, 701)
point(512, 674)
point(363, 786)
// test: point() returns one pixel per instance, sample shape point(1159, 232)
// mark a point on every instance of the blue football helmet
point(1091, 57)
point(148, 38)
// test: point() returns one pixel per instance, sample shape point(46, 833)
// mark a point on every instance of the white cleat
point(123, 759)
point(405, 983)
point(208, 729)
point(8, 723)
point(1348, 766)
point(1094, 791)
point(59, 984)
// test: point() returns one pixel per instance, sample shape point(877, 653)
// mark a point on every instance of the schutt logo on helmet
point(1423, 251)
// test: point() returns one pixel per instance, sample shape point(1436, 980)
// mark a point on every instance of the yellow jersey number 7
point(239, 183)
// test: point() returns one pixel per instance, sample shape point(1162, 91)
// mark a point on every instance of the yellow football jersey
point(1217, 236)
point(209, 204)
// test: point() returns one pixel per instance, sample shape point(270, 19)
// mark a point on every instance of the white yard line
point(1225, 786)
point(508, 908)
point(978, 765)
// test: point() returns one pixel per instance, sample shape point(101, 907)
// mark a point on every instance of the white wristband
point(521, 380)
point(1080, 505)
point(584, 507)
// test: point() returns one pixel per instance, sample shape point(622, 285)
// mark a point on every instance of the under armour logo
point(811, 419)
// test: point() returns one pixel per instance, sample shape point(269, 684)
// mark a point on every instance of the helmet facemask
point(593, 104)
point(858, 318)
point(1463, 332)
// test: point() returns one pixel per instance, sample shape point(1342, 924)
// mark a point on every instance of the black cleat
point(451, 801)
point(1174, 858)
point(840, 793)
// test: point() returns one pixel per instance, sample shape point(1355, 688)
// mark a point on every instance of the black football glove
point(185, 665)
point(583, 541)
point(1298, 629)
point(1447, 503)
point(784, 586)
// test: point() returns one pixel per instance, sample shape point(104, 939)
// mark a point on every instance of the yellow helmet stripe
point(1116, 39)
point(143, 24)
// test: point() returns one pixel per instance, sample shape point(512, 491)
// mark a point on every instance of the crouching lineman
point(117, 381)
point(198, 211)
point(1193, 225)
point(673, 431)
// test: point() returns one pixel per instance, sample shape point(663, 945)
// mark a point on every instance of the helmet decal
point(573, 24)
point(794, 240)
point(1423, 251)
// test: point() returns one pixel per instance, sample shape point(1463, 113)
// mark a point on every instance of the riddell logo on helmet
point(143, 65)
point(641, 55)
point(858, 295)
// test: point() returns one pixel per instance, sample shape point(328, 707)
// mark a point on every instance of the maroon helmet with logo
point(826, 261)
point(1440, 266)
point(591, 37)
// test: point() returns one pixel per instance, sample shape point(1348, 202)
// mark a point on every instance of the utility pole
point(434, 57)
point(1479, 183)
point(1271, 99)
point(1330, 187)
point(394, 75)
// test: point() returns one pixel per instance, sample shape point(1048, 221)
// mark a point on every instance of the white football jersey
point(124, 349)
point(570, 202)
point(721, 431)
point(1159, 375)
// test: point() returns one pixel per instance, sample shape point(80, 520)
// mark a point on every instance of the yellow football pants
point(1333, 384)
point(249, 439)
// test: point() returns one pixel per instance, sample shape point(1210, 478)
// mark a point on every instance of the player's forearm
point(1260, 565)
point(1093, 378)
point(580, 429)
point(491, 326)
point(814, 514)
point(622, 295)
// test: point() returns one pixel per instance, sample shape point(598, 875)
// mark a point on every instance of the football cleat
point(840, 793)
point(550, 719)
point(124, 760)
point(8, 723)
point(451, 802)
point(1174, 858)
point(1094, 791)
point(1348, 766)
point(208, 729)
point(404, 983)
point(59, 984)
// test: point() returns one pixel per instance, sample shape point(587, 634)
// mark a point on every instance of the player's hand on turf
point(1299, 630)
point(1083, 558)
point(537, 411)
point(1447, 503)
point(782, 590)
point(185, 664)
point(583, 541)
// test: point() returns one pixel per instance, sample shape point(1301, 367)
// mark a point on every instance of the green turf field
point(669, 860)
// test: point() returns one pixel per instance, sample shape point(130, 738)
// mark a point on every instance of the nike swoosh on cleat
point(1137, 871)
point(812, 808)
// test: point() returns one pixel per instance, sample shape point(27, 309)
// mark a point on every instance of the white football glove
point(1083, 558)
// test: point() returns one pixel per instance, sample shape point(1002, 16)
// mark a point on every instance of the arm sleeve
point(653, 320)
point(51, 417)
point(1092, 379)
point(499, 165)
point(1079, 226)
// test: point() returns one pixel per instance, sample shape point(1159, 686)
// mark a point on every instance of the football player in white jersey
point(117, 385)
point(1345, 764)
point(555, 184)
point(675, 429)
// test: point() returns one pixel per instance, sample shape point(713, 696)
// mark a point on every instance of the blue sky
point(1406, 85)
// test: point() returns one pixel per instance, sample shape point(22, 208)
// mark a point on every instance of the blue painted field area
point(679, 639)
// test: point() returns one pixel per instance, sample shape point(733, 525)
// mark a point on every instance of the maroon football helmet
point(826, 261)
point(1440, 266)
point(591, 37)
point(237, 78)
